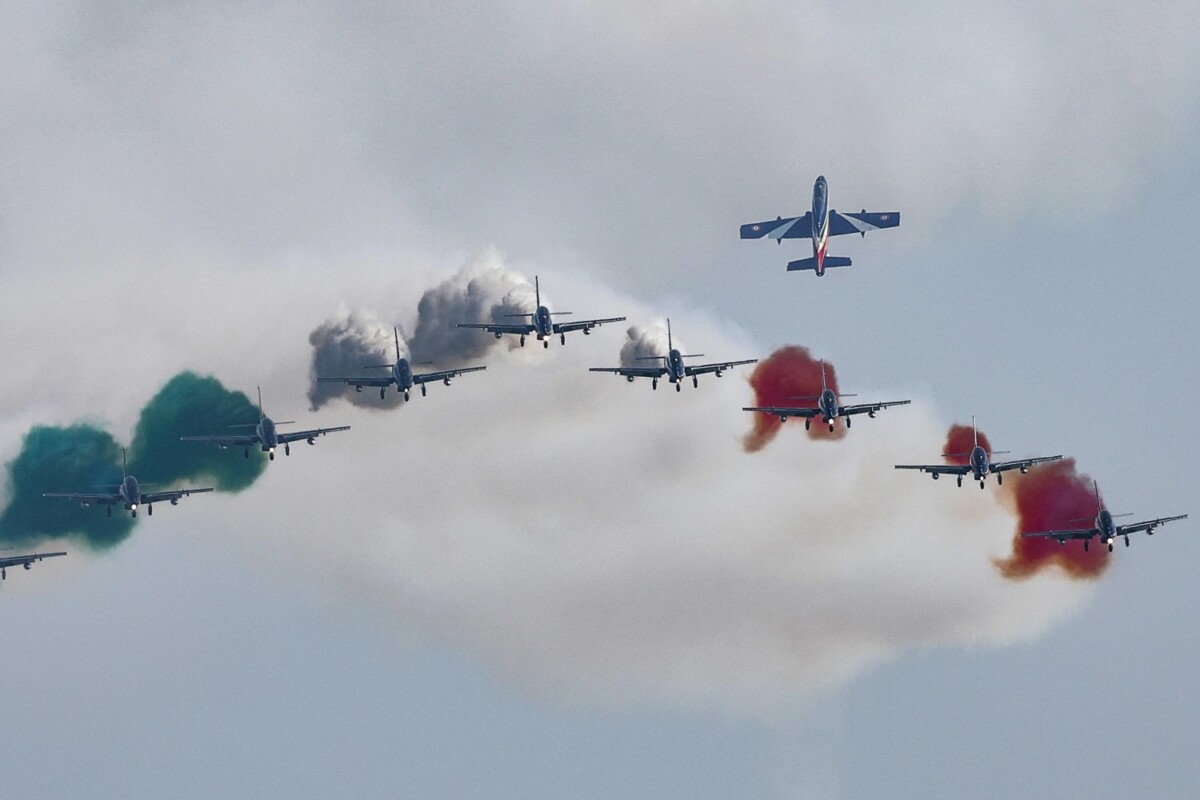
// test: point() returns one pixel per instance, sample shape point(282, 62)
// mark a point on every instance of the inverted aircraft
point(1104, 527)
point(819, 224)
point(402, 375)
point(540, 323)
point(265, 436)
point(672, 367)
point(979, 463)
point(128, 493)
point(827, 408)
point(25, 561)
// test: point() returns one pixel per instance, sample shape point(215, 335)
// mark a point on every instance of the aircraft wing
point(228, 440)
point(634, 372)
point(717, 368)
point(1005, 466)
point(782, 228)
point(1064, 535)
point(861, 222)
point(173, 494)
point(583, 324)
point(500, 327)
point(83, 497)
point(785, 411)
point(444, 375)
point(295, 436)
point(25, 560)
point(1148, 525)
point(938, 469)
point(382, 380)
point(870, 408)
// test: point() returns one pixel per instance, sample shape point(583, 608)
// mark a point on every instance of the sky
point(540, 581)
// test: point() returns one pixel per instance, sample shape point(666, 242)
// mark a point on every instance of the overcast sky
point(540, 582)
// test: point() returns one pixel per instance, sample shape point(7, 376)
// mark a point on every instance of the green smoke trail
point(84, 458)
point(192, 405)
point(80, 458)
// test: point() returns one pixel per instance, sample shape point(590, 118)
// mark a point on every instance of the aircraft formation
point(818, 224)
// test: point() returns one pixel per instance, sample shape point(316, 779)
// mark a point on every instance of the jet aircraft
point(827, 408)
point(25, 561)
point(672, 367)
point(402, 375)
point(818, 225)
point(265, 435)
point(979, 463)
point(540, 323)
point(128, 494)
point(1104, 527)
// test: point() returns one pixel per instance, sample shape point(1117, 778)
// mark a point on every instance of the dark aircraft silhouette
point(672, 367)
point(1103, 527)
point(128, 494)
point(265, 435)
point(979, 463)
point(402, 375)
point(540, 323)
point(827, 407)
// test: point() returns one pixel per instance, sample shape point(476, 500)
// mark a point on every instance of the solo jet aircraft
point(402, 375)
point(1104, 527)
point(827, 407)
point(265, 435)
point(128, 494)
point(818, 225)
point(25, 561)
point(979, 463)
point(540, 323)
point(672, 367)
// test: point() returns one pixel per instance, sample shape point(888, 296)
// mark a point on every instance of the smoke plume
point(341, 348)
point(1052, 496)
point(788, 377)
point(80, 458)
point(642, 342)
point(191, 405)
point(483, 290)
point(83, 458)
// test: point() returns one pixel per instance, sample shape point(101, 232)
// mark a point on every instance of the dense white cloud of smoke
point(594, 537)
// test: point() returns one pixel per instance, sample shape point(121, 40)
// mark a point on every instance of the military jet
point(265, 435)
point(128, 494)
point(1104, 527)
point(827, 407)
point(402, 375)
point(818, 225)
point(539, 323)
point(672, 367)
point(978, 463)
point(25, 561)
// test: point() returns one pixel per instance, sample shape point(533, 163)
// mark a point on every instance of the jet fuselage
point(820, 222)
point(267, 434)
point(828, 404)
point(979, 462)
point(130, 492)
point(543, 325)
point(675, 368)
point(402, 374)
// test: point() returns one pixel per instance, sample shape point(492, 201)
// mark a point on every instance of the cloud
point(84, 458)
point(598, 539)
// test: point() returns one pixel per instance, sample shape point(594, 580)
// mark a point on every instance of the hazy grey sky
point(539, 582)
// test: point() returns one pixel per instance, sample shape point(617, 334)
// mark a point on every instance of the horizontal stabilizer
point(811, 263)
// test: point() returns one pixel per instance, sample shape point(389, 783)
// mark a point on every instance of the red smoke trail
point(1052, 496)
point(778, 380)
point(959, 442)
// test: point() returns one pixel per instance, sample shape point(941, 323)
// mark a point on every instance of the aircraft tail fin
point(124, 465)
point(396, 333)
point(811, 263)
